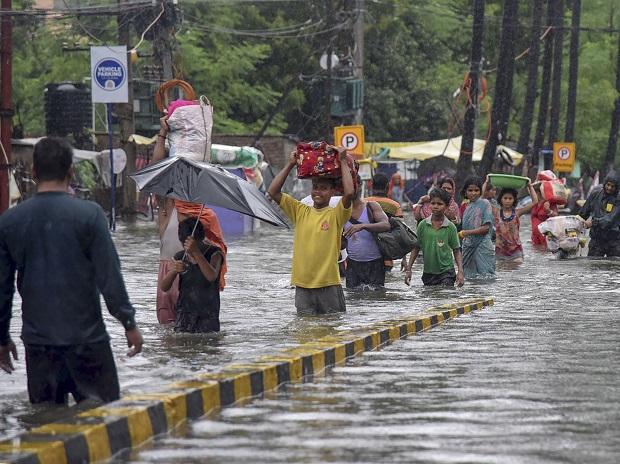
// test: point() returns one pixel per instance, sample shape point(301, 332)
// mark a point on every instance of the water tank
point(68, 108)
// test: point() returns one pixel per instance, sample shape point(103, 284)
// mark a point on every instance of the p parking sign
point(351, 138)
point(108, 72)
point(564, 156)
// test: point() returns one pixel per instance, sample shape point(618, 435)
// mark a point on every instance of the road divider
point(99, 434)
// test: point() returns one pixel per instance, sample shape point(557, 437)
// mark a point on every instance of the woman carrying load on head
point(171, 213)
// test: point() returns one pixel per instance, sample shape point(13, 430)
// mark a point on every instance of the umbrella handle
point(202, 207)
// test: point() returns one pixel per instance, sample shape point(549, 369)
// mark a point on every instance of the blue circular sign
point(110, 74)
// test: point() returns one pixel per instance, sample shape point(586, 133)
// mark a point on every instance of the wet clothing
point(445, 279)
point(478, 250)
point(362, 246)
point(85, 371)
point(198, 306)
point(539, 215)
point(318, 301)
point(64, 256)
point(211, 224)
point(169, 246)
point(316, 243)
point(437, 245)
point(605, 212)
point(507, 242)
point(371, 273)
point(601, 248)
point(365, 264)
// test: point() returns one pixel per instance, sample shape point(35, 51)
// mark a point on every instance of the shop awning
point(450, 148)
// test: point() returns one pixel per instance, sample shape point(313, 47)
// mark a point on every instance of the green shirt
point(437, 245)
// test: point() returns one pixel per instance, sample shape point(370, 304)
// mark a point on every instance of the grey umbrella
point(202, 183)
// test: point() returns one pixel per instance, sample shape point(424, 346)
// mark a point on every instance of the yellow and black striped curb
point(98, 434)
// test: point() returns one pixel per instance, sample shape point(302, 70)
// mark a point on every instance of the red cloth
point(539, 215)
point(213, 230)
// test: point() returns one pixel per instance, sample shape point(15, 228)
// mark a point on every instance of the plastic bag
point(190, 131)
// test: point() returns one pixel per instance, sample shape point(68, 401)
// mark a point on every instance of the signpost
point(351, 138)
point(108, 72)
point(564, 156)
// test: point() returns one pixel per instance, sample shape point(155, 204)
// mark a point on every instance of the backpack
point(396, 242)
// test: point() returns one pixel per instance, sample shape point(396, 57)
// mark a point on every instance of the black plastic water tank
point(68, 108)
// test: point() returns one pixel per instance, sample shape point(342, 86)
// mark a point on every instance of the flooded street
point(533, 379)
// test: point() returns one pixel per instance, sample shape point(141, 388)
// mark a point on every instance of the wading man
point(63, 254)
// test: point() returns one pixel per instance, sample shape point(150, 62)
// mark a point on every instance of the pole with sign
point(108, 72)
point(564, 156)
point(351, 138)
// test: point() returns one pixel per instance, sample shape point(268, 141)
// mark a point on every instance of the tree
point(532, 78)
point(556, 85)
point(464, 164)
point(543, 106)
point(503, 86)
point(573, 73)
point(612, 144)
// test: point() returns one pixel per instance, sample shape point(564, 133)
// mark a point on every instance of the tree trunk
point(573, 69)
point(124, 112)
point(464, 164)
point(532, 77)
point(612, 144)
point(556, 85)
point(503, 86)
point(543, 105)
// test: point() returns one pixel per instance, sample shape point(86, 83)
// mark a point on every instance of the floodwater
point(533, 379)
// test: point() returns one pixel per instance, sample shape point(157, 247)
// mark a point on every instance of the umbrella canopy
point(196, 182)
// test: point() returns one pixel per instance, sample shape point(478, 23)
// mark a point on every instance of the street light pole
point(6, 103)
point(358, 52)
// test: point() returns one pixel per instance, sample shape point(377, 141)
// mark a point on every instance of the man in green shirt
point(439, 242)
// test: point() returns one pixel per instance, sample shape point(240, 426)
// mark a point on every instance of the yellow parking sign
point(564, 156)
point(351, 138)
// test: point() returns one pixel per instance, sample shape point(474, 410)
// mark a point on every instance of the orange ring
point(482, 91)
point(162, 97)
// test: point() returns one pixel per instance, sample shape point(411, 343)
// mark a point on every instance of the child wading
point(316, 244)
point(478, 249)
point(507, 224)
point(198, 306)
point(438, 240)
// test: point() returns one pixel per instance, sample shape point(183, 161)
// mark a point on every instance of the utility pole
point(163, 41)
point(503, 86)
point(464, 164)
point(543, 106)
point(612, 143)
point(532, 77)
point(573, 69)
point(358, 52)
point(556, 81)
point(124, 112)
point(6, 103)
point(328, 84)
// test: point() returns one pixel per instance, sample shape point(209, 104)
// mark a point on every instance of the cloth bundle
point(319, 159)
point(554, 191)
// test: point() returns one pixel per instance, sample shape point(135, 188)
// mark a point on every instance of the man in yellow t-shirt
point(316, 242)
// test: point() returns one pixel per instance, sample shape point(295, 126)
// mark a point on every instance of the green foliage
point(416, 54)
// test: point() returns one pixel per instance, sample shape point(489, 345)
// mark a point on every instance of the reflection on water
point(537, 372)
